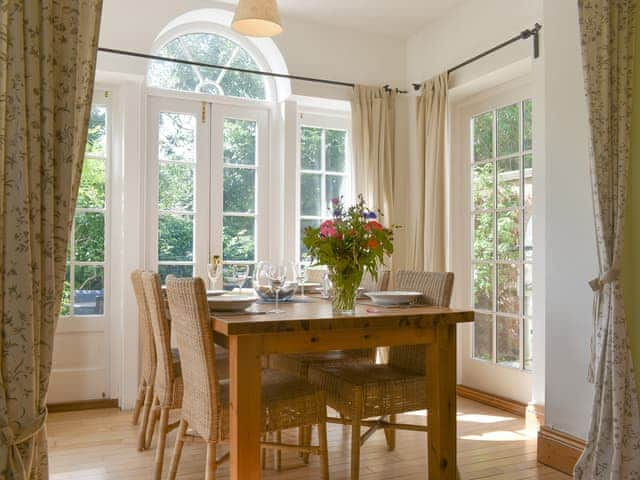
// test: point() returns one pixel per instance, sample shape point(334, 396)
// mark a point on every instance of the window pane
point(508, 235)
point(482, 136)
point(88, 295)
point(508, 341)
point(483, 186)
point(92, 182)
point(310, 194)
point(177, 137)
point(207, 48)
point(97, 132)
point(483, 336)
point(508, 128)
point(175, 237)
point(65, 304)
point(239, 190)
point(240, 84)
point(239, 141)
point(527, 125)
point(528, 343)
point(311, 148)
point(238, 241)
point(483, 245)
point(483, 286)
point(528, 290)
point(335, 148)
point(176, 187)
point(509, 182)
point(528, 180)
point(335, 188)
point(89, 237)
point(176, 270)
point(508, 294)
point(304, 224)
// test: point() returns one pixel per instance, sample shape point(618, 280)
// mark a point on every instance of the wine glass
point(277, 275)
point(237, 275)
point(301, 276)
point(214, 270)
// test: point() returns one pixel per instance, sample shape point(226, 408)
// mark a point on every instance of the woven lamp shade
point(257, 18)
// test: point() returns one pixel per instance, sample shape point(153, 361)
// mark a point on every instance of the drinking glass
point(277, 275)
point(301, 271)
point(237, 275)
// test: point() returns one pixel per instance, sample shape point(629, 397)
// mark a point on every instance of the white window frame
point(484, 375)
point(327, 120)
point(100, 97)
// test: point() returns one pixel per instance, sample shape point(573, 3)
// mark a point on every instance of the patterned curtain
point(613, 446)
point(47, 69)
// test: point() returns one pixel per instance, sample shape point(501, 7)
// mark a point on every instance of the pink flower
point(328, 229)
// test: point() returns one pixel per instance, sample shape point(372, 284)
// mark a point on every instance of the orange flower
point(372, 244)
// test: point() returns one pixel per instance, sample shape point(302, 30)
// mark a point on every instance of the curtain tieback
point(597, 285)
point(13, 439)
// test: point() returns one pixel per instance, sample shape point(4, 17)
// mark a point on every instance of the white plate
point(393, 297)
point(215, 293)
point(231, 303)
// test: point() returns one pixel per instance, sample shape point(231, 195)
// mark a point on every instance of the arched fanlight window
point(207, 48)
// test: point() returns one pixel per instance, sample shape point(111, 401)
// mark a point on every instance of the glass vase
point(345, 290)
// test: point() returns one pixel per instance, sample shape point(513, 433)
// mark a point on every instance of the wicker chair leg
point(177, 449)
point(154, 416)
point(308, 432)
point(211, 461)
point(277, 454)
point(139, 401)
point(142, 430)
point(163, 430)
point(324, 450)
point(390, 434)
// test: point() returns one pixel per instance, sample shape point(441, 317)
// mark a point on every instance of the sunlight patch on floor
point(501, 436)
point(479, 418)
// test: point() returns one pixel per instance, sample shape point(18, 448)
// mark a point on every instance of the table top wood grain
point(315, 314)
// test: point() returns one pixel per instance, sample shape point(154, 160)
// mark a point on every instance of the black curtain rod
point(525, 34)
point(233, 69)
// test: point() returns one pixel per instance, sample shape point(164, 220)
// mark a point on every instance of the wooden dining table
point(309, 325)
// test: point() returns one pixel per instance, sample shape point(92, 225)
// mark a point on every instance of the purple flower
point(371, 215)
point(335, 201)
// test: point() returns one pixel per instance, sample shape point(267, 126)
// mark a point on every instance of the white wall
point(571, 254)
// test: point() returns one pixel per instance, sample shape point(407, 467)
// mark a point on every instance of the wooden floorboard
point(492, 444)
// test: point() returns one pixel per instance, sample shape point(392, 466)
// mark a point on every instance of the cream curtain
point(47, 68)
point(373, 139)
point(613, 444)
point(427, 231)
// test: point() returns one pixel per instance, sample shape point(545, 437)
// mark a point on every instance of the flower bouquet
point(351, 243)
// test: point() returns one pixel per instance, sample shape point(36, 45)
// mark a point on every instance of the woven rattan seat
point(287, 400)
point(360, 391)
point(383, 389)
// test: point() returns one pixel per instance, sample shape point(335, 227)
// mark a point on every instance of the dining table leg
point(441, 391)
point(245, 407)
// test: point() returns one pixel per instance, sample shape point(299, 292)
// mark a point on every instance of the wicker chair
point(360, 391)
point(168, 385)
point(287, 401)
point(148, 361)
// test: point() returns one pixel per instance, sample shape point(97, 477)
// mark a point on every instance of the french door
point(492, 224)
point(206, 177)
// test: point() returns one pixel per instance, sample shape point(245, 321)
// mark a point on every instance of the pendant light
point(257, 18)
